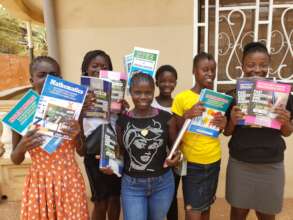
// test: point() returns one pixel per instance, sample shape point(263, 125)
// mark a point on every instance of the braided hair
point(40, 59)
point(91, 55)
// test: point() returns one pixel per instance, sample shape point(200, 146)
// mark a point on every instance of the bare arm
point(21, 145)
point(235, 115)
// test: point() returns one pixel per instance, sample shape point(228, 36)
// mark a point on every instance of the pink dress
point(54, 188)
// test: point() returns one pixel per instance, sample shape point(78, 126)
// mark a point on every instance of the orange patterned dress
point(54, 187)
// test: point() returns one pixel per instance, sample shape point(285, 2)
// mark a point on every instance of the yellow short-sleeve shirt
point(197, 148)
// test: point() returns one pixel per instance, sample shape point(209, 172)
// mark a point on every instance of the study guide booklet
point(266, 96)
point(214, 103)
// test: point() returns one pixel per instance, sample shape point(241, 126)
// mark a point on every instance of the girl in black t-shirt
point(255, 172)
point(143, 133)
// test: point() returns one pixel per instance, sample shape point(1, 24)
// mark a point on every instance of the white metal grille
point(224, 28)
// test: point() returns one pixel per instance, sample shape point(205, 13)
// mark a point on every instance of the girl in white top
point(166, 80)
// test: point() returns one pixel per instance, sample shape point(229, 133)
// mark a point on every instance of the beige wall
point(116, 26)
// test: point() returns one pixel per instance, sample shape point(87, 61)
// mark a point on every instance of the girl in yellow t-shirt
point(203, 153)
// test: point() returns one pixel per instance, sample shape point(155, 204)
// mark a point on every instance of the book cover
point(109, 154)
point(144, 60)
point(266, 96)
point(214, 103)
point(60, 101)
point(244, 89)
point(21, 116)
point(101, 89)
point(51, 144)
point(118, 80)
point(127, 60)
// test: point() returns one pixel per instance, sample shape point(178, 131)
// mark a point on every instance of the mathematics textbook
point(101, 89)
point(118, 80)
point(214, 103)
point(266, 96)
point(144, 60)
point(21, 116)
point(109, 154)
point(60, 102)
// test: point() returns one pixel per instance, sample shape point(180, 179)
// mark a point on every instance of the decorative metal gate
point(223, 27)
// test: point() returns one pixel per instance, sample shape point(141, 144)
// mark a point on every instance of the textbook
point(60, 101)
point(118, 80)
point(21, 116)
point(127, 62)
point(244, 89)
point(101, 88)
point(109, 153)
point(144, 60)
point(214, 103)
point(266, 96)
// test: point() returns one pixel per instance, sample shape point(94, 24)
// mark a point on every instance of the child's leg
point(113, 208)
point(173, 210)
point(161, 195)
point(238, 213)
point(262, 216)
point(134, 198)
point(199, 188)
point(99, 211)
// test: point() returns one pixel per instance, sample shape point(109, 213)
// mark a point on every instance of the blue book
point(214, 103)
point(109, 153)
point(244, 89)
point(60, 102)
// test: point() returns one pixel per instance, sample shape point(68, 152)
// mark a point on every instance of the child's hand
point(195, 111)
point(283, 115)
point(219, 120)
point(107, 170)
point(89, 99)
point(30, 140)
point(236, 115)
point(174, 161)
point(124, 106)
point(72, 128)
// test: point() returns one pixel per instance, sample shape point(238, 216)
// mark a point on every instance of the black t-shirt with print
point(145, 142)
point(258, 144)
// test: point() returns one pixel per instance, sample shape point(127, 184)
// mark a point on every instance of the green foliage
point(13, 36)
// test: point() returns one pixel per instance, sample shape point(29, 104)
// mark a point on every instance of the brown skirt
point(255, 186)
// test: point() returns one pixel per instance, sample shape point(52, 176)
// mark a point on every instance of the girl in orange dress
point(54, 187)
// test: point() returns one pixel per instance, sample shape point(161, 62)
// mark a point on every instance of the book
point(60, 101)
point(244, 89)
point(101, 89)
point(214, 103)
point(21, 116)
point(179, 138)
point(118, 80)
point(144, 60)
point(109, 153)
point(127, 60)
point(266, 96)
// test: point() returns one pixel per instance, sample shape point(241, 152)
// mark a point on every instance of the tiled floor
point(220, 211)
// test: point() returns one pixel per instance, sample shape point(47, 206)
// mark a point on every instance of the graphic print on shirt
point(142, 144)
